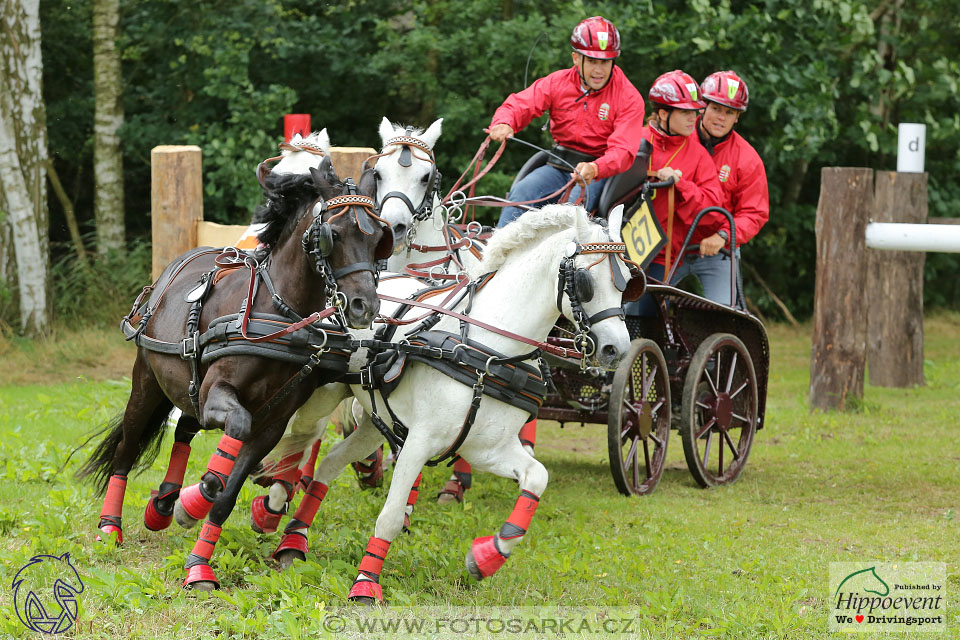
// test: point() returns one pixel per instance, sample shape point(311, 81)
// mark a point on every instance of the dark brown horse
point(232, 339)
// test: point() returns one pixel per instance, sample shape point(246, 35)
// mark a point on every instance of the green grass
point(746, 561)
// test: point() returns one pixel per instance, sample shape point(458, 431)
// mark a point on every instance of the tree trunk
point(838, 356)
point(895, 286)
point(108, 116)
point(23, 156)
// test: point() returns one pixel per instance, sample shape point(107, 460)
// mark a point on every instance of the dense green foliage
point(829, 82)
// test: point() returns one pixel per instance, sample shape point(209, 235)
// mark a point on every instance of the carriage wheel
point(637, 434)
point(718, 417)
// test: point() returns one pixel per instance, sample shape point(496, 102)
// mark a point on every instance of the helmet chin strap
point(583, 79)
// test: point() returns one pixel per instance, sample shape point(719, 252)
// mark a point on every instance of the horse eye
point(336, 236)
point(376, 175)
point(425, 179)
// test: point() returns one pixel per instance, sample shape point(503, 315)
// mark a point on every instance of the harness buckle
point(366, 377)
point(189, 346)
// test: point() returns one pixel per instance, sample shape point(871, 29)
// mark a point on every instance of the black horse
point(249, 357)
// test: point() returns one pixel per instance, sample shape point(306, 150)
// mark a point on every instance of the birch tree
point(108, 116)
point(24, 254)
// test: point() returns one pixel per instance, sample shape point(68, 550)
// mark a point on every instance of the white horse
point(521, 298)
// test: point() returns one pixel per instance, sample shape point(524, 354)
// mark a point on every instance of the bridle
point(317, 240)
point(577, 284)
point(407, 144)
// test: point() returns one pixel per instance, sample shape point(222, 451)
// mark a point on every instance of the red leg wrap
point(519, 520)
point(178, 463)
point(200, 573)
point(113, 501)
point(414, 491)
point(291, 475)
point(296, 541)
point(193, 502)
point(307, 509)
point(366, 589)
point(152, 518)
point(372, 563)
point(207, 541)
point(462, 466)
point(486, 557)
point(265, 521)
point(528, 433)
point(306, 471)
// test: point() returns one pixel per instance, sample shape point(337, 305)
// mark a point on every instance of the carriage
point(695, 366)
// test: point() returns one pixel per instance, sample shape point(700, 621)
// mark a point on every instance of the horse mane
point(287, 196)
point(532, 227)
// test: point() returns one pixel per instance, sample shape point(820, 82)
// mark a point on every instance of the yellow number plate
point(643, 236)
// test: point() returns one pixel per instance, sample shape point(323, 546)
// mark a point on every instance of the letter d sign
point(911, 141)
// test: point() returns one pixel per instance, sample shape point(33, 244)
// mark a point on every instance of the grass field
point(746, 561)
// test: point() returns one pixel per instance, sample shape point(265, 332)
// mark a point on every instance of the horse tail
point(100, 465)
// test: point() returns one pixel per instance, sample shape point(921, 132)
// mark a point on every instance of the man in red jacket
point(742, 177)
point(595, 119)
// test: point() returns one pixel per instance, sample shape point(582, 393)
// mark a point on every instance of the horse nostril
point(399, 232)
point(609, 353)
point(358, 308)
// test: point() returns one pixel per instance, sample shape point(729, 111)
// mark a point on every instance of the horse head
point(404, 179)
point(340, 240)
point(593, 277)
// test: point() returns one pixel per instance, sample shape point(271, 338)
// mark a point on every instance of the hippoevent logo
point(45, 593)
point(884, 596)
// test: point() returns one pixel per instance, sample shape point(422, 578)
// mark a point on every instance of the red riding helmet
point(726, 88)
point(676, 90)
point(596, 37)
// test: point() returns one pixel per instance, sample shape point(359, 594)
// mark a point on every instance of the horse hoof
point(472, 567)
point(200, 577)
point(406, 523)
point(484, 558)
point(183, 518)
point(108, 531)
point(287, 557)
point(153, 519)
point(262, 520)
point(365, 592)
point(452, 491)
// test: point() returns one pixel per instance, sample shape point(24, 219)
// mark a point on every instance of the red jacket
point(605, 124)
point(697, 189)
point(744, 182)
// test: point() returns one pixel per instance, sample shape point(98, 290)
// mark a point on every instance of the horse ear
point(615, 223)
point(317, 175)
point(386, 131)
point(326, 170)
point(432, 133)
point(323, 140)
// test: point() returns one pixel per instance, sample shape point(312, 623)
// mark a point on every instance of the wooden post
point(176, 195)
point(895, 286)
point(840, 304)
point(348, 160)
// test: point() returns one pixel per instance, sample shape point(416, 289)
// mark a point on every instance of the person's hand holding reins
point(711, 246)
point(500, 132)
point(586, 173)
point(669, 172)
